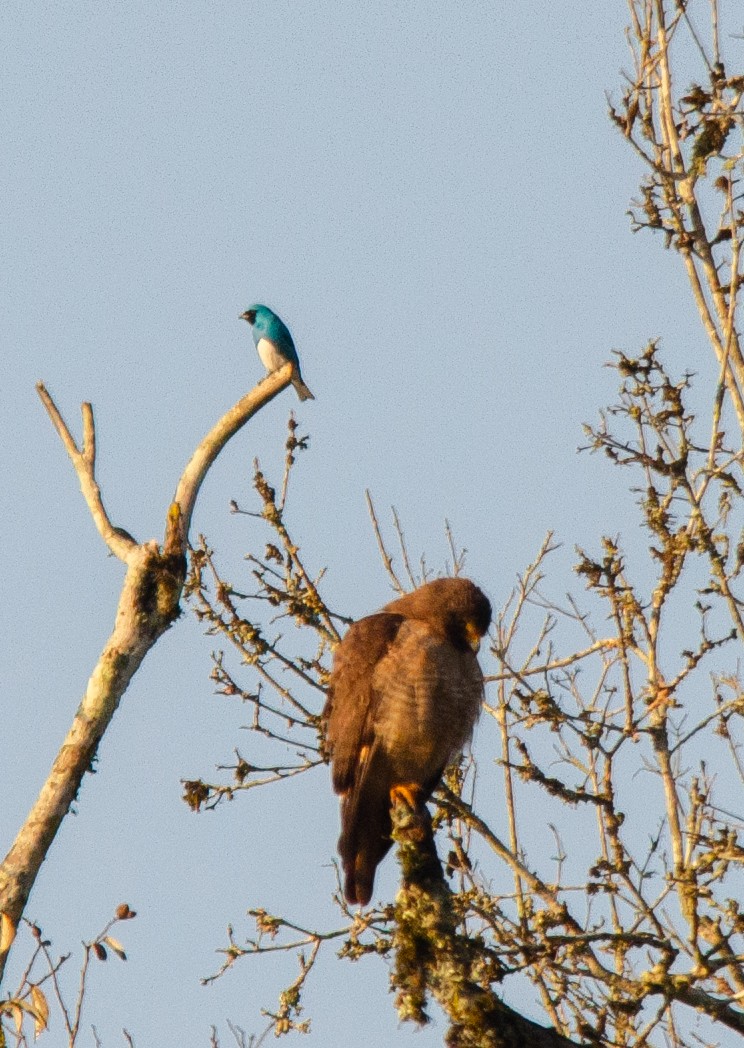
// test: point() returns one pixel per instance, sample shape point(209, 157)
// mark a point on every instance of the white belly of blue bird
point(270, 356)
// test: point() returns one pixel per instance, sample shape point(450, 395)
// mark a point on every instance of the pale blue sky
point(434, 201)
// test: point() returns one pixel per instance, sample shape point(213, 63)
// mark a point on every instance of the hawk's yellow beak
point(472, 636)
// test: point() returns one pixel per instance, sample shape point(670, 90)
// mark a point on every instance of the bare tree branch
point(148, 605)
point(210, 447)
point(121, 544)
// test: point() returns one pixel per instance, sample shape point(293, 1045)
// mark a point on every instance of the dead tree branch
point(148, 605)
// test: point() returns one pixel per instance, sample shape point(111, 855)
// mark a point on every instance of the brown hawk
point(404, 695)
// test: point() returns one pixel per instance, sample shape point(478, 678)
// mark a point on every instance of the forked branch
point(148, 605)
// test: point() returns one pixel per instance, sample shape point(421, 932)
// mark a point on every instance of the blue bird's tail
point(301, 389)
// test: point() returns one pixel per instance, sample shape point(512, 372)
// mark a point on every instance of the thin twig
point(387, 560)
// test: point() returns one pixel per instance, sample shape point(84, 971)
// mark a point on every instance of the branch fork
point(148, 605)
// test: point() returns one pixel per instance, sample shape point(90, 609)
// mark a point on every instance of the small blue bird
point(275, 346)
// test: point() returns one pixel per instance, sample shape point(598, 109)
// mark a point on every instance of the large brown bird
point(404, 695)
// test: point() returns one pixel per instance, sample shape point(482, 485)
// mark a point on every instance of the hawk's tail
point(365, 829)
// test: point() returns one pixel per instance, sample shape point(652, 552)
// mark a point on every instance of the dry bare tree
point(148, 605)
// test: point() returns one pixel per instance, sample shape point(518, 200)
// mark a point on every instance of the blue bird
point(275, 346)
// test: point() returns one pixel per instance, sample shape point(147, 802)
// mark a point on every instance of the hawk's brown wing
point(357, 774)
point(350, 707)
